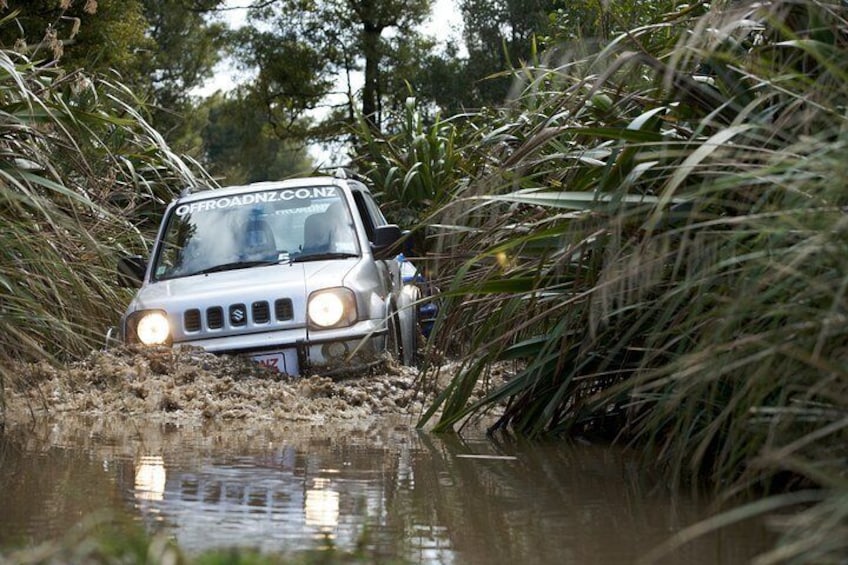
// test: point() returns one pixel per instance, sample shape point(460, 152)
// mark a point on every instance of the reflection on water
point(150, 477)
point(421, 498)
point(322, 506)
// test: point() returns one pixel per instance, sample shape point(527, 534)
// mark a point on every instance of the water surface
point(403, 494)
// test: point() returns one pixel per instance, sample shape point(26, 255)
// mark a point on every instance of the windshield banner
point(255, 198)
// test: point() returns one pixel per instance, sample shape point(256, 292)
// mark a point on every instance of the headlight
point(150, 328)
point(331, 308)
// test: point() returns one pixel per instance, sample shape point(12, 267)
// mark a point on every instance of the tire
point(409, 326)
point(394, 339)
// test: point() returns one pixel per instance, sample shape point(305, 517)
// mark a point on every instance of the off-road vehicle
point(302, 275)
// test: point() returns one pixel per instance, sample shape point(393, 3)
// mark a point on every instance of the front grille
point(238, 315)
point(283, 310)
point(261, 312)
point(215, 318)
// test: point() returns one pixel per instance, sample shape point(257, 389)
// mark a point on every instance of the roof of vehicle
point(268, 185)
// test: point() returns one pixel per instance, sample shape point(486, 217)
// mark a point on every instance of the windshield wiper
point(322, 256)
point(236, 265)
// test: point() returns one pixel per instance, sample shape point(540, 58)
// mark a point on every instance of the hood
point(266, 287)
point(298, 279)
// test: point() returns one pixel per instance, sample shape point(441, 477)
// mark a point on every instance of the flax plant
point(657, 238)
point(416, 167)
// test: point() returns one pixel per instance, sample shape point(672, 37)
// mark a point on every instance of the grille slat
point(236, 315)
point(261, 312)
point(283, 309)
point(215, 318)
point(191, 320)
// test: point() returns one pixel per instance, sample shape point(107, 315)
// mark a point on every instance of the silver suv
point(302, 275)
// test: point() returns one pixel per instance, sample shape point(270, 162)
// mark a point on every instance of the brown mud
point(188, 385)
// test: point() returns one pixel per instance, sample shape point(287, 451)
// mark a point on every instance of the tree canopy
point(312, 61)
point(239, 144)
point(99, 36)
point(317, 66)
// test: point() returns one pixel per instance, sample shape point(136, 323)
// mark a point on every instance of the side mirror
point(385, 238)
point(131, 269)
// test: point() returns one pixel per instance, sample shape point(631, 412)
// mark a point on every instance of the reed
point(658, 235)
point(82, 177)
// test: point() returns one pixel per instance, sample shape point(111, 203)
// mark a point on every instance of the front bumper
point(298, 352)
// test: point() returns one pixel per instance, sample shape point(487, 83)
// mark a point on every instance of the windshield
point(256, 228)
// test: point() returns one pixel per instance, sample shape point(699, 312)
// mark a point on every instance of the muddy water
point(403, 494)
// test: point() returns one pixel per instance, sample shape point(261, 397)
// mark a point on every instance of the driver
point(259, 243)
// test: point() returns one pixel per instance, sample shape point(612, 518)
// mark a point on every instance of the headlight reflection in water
point(322, 506)
point(150, 478)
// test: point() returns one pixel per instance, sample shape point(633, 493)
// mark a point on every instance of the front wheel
point(409, 328)
point(394, 339)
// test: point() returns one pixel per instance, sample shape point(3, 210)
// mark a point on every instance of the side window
point(374, 210)
point(369, 212)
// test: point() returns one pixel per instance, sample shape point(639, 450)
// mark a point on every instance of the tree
point(160, 48)
point(239, 143)
point(98, 36)
point(373, 17)
point(308, 46)
point(187, 46)
point(499, 36)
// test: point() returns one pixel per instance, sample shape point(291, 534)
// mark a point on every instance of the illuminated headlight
point(331, 308)
point(150, 327)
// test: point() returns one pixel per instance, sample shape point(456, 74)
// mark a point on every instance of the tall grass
point(659, 236)
point(81, 173)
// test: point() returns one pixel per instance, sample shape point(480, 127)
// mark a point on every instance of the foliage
point(99, 36)
point(187, 47)
point(655, 232)
point(160, 49)
point(292, 75)
point(499, 36)
point(239, 143)
point(416, 169)
point(82, 176)
point(599, 21)
point(299, 60)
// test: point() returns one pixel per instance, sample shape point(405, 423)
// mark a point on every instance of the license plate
point(283, 361)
